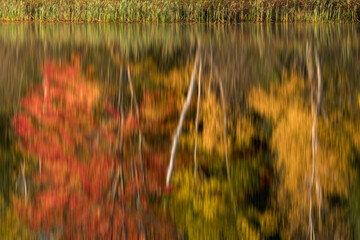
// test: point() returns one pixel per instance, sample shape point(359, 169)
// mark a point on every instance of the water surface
point(89, 111)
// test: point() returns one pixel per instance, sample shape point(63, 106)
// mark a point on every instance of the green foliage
point(183, 10)
point(10, 225)
point(202, 211)
point(203, 208)
point(355, 207)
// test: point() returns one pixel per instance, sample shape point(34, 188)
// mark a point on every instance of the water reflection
point(89, 113)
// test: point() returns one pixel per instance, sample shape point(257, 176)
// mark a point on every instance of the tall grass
point(180, 10)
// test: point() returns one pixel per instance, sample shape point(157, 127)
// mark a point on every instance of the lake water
point(90, 115)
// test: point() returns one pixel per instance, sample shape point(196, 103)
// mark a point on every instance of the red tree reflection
point(78, 190)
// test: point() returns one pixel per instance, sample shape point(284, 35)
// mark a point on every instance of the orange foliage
point(56, 124)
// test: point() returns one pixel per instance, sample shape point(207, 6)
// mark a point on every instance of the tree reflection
point(95, 130)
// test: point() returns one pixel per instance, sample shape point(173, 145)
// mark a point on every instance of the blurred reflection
point(89, 113)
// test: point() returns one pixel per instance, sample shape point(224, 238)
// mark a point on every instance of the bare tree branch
point(133, 96)
point(211, 69)
point(316, 97)
point(24, 181)
point(197, 120)
point(319, 100)
point(181, 121)
point(225, 146)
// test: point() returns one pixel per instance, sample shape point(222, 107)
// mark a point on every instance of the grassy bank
point(180, 10)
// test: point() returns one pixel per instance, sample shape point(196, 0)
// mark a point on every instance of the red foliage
point(56, 124)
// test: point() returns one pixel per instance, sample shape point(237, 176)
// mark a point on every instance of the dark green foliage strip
point(180, 10)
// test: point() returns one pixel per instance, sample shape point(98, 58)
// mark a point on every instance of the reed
point(180, 10)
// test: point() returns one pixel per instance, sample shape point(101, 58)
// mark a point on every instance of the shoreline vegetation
point(204, 11)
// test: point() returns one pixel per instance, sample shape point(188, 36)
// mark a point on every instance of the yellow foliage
point(176, 81)
point(269, 104)
point(247, 231)
point(268, 223)
point(207, 200)
point(291, 141)
point(244, 131)
point(212, 135)
point(10, 225)
point(202, 210)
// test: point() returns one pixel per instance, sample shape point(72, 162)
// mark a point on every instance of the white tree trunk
point(315, 105)
point(181, 122)
point(197, 121)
